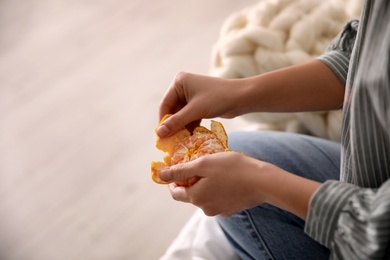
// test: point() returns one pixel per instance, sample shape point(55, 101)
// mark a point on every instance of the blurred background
point(80, 84)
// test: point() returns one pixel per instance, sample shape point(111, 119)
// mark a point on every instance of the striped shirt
point(352, 216)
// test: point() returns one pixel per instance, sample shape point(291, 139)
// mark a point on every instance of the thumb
point(175, 122)
point(178, 172)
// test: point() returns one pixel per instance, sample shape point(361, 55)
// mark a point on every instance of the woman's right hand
point(192, 97)
point(310, 86)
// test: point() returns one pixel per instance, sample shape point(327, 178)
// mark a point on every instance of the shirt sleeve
point(338, 54)
point(353, 222)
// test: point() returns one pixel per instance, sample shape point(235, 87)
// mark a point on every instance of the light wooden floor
point(80, 83)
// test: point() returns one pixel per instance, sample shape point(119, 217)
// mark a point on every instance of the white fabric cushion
point(275, 34)
point(200, 239)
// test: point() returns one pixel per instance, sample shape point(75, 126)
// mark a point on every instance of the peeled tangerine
point(184, 147)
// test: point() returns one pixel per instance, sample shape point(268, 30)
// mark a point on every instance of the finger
point(171, 103)
point(174, 99)
point(178, 121)
point(178, 193)
point(178, 172)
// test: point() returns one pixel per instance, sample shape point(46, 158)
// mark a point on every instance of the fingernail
point(162, 131)
point(165, 175)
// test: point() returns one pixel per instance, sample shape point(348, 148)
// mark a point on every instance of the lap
point(310, 157)
point(266, 232)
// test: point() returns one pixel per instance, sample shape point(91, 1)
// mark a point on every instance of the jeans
point(265, 231)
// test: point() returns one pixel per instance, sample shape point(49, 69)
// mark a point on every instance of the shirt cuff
point(338, 62)
point(325, 207)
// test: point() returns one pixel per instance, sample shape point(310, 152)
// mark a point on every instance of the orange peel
point(185, 146)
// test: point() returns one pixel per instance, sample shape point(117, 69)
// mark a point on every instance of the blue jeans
point(267, 232)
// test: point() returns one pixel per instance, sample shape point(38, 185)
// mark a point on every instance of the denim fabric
point(267, 232)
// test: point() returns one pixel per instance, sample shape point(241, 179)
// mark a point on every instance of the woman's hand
point(230, 182)
point(192, 97)
point(311, 86)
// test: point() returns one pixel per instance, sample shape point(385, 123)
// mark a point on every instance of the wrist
point(233, 93)
point(286, 190)
point(242, 93)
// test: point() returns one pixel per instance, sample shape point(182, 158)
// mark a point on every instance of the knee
point(262, 145)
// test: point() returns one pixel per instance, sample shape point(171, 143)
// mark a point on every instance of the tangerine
point(184, 147)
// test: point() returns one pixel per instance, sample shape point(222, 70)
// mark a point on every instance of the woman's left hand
point(229, 182)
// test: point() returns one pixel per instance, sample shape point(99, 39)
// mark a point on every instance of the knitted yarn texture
point(274, 34)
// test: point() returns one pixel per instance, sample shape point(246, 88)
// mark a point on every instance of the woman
point(295, 196)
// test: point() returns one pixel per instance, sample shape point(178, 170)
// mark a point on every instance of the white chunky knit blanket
point(278, 33)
